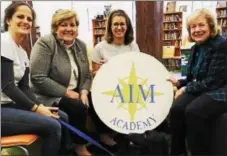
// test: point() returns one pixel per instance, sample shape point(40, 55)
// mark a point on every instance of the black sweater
point(20, 93)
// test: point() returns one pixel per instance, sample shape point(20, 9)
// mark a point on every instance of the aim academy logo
point(131, 95)
point(130, 102)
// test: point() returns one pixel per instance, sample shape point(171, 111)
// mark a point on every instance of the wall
point(86, 11)
point(45, 10)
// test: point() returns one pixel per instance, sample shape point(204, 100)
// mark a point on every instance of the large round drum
point(131, 93)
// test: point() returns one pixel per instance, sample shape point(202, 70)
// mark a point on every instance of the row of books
point(172, 64)
point(222, 13)
point(172, 18)
point(100, 24)
point(172, 36)
point(176, 44)
point(166, 43)
point(172, 26)
point(224, 33)
point(99, 31)
point(222, 22)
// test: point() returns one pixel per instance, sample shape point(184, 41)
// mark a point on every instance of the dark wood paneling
point(149, 19)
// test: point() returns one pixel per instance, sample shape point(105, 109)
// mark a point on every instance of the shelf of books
point(221, 11)
point(98, 30)
point(172, 36)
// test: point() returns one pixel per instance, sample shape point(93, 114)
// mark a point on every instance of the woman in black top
point(202, 96)
point(21, 113)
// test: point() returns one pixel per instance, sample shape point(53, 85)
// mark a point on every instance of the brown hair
point(210, 18)
point(129, 32)
point(12, 8)
point(60, 15)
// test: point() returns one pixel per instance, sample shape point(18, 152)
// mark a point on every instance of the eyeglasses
point(115, 25)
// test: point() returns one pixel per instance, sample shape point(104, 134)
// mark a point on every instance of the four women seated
point(60, 76)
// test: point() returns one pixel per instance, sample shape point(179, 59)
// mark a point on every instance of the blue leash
point(84, 136)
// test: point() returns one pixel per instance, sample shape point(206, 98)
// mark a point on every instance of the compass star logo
point(130, 93)
point(133, 93)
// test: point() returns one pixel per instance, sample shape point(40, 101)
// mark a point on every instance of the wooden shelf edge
point(172, 29)
point(224, 17)
point(171, 40)
point(98, 34)
point(169, 13)
point(172, 21)
point(176, 57)
point(220, 8)
point(98, 20)
point(99, 27)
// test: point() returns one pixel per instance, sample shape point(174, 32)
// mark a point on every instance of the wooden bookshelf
point(172, 36)
point(222, 19)
point(98, 30)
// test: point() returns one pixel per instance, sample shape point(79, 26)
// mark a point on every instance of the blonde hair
point(60, 15)
point(210, 18)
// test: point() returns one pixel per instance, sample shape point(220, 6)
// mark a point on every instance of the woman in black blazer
point(201, 97)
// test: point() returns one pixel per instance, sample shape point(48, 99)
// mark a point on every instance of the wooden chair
point(18, 141)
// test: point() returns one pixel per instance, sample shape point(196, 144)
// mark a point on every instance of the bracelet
point(84, 91)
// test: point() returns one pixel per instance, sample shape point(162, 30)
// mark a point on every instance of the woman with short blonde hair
point(60, 72)
point(201, 97)
point(60, 15)
point(206, 14)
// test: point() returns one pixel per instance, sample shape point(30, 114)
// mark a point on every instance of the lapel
point(207, 49)
point(206, 54)
point(193, 51)
point(77, 51)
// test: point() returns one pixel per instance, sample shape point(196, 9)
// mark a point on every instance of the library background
point(173, 48)
point(159, 26)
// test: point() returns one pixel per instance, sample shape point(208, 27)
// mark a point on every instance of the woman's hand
point(84, 97)
point(179, 92)
point(102, 62)
point(54, 111)
point(46, 111)
point(173, 81)
point(72, 94)
point(96, 66)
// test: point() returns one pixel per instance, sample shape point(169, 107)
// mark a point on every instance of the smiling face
point(21, 21)
point(119, 26)
point(67, 30)
point(200, 30)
